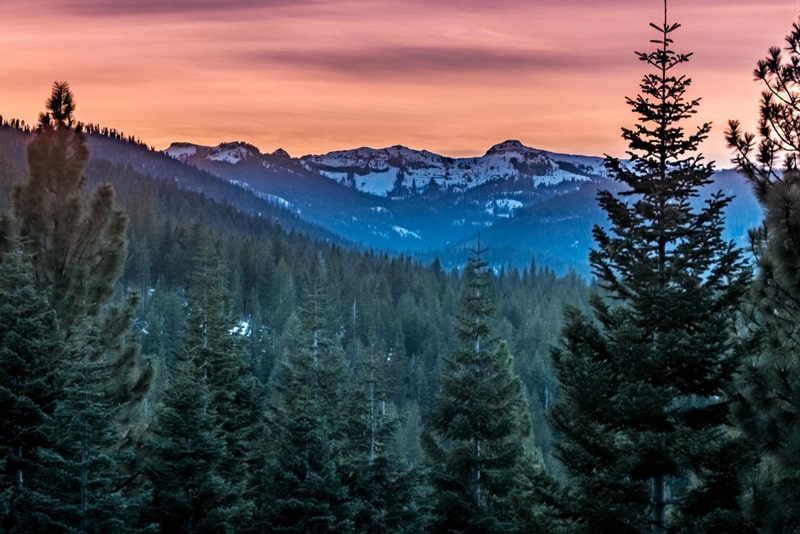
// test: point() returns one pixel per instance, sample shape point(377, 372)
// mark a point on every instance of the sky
point(311, 76)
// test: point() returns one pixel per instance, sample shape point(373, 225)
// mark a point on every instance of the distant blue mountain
point(525, 204)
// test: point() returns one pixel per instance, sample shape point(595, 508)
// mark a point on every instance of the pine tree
point(230, 406)
point(769, 378)
point(306, 421)
point(389, 494)
point(30, 380)
point(478, 436)
point(646, 384)
point(78, 252)
point(76, 258)
point(86, 464)
point(190, 494)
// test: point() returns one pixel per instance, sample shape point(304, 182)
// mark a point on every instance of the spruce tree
point(769, 380)
point(646, 382)
point(308, 442)
point(187, 450)
point(236, 395)
point(478, 436)
point(86, 465)
point(63, 441)
point(31, 364)
point(230, 406)
point(389, 495)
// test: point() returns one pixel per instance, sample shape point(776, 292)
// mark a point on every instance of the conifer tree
point(79, 249)
point(31, 363)
point(236, 394)
point(190, 494)
point(230, 403)
point(388, 493)
point(478, 435)
point(646, 384)
point(79, 252)
point(86, 464)
point(769, 378)
point(306, 421)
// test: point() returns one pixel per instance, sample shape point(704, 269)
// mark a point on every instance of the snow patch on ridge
point(272, 199)
point(403, 232)
point(398, 170)
point(503, 207)
point(230, 155)
point(181, 151)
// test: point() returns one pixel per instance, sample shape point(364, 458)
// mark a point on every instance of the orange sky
point(311, 76)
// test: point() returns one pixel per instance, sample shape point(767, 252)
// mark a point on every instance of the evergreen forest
point(172, 360)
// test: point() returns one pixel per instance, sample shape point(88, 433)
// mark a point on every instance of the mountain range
point(522, 203)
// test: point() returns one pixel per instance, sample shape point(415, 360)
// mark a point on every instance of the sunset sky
point(311, 76)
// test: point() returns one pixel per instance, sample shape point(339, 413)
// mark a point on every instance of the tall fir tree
point(769, 378)
point(308, 439)
point(87, 461)
point(77, 255)
point(478, 435)
point(390, 495)
point(646, 383)
point(31, 366)
point(236, 394)
point(230, 412)
point(187, 451)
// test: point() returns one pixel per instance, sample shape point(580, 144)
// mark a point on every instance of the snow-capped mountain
point(524, 202)
point(397, 169)
point(232, 153)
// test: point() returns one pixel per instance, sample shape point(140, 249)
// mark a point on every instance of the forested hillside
point(390, 318)
point(407, 307)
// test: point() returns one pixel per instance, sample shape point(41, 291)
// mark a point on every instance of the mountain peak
point(181, 150)
point(281, 153)
point(234, 152)
point(506, 146)
point(398, 171)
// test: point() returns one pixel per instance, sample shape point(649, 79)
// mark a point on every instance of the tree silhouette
point(645, 384)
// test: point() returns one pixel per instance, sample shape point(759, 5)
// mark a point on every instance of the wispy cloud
point(418, 61)
point(117, 9)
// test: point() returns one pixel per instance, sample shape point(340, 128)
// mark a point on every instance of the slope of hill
point(115, 161)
